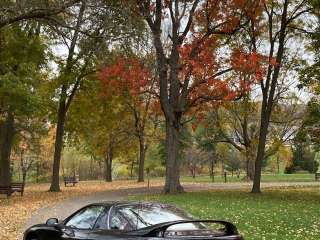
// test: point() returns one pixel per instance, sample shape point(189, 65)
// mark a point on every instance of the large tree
point(237, 124)
point(186, 38)
point(101, 122)
point(95, 25)
point(279, 23)
point(130, 79)
point(22, 68)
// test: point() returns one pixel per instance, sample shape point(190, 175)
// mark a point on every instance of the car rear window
point(144, 215)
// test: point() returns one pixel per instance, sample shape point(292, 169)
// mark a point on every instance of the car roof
point(125, 203)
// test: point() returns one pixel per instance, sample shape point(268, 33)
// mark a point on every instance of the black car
point(131, 220)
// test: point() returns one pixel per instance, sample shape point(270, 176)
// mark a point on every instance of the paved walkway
point(64, 208)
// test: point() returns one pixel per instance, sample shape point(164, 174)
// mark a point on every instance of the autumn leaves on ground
point(16, 210)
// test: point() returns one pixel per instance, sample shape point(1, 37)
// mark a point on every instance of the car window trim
point(109, 216)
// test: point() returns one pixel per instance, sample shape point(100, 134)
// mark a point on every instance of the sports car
point(131, 220)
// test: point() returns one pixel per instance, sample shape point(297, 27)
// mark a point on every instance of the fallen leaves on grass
point(276, 214)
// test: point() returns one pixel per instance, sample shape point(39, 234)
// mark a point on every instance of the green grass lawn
point(286, 214)
point(301, 177)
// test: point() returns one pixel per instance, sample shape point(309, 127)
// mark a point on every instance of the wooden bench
point(70, 180)
point(14, 187)
point(317, 176)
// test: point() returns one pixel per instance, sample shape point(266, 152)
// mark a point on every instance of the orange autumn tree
point(193, 61)
point(130, 78)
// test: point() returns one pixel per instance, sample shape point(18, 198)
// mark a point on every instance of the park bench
point(14, 187)
point(317, 176)
point(70, 180)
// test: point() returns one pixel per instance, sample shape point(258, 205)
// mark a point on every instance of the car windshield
point(143, 215)
point(85, 218)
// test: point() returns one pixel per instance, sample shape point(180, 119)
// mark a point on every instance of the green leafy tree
point(303, 154)
point(22, 71)
point(310, 79)
point(101, 123)
point(86, 37)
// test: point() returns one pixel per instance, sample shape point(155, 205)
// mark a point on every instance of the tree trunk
point(55, 186)
point(268, 99)
point(222, 168)
point(108, 165)
point(142, 154)
point(172, 184)
point(85, 177)
point(37, 172)
point(212, 168)
point(250, 152)
point(91, 168)
point(193, 172)
point(101, 170)
point(131, 169)
point(23, 167)
point(249, 168)
point(24, 177)
point(19, 172)
point(260, 156)
point(64, 104)
point(6, 133)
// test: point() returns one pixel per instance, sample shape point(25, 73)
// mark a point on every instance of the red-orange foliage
point(249, 63)
point(130, 77)
point(199, 65)
point(125, 74)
